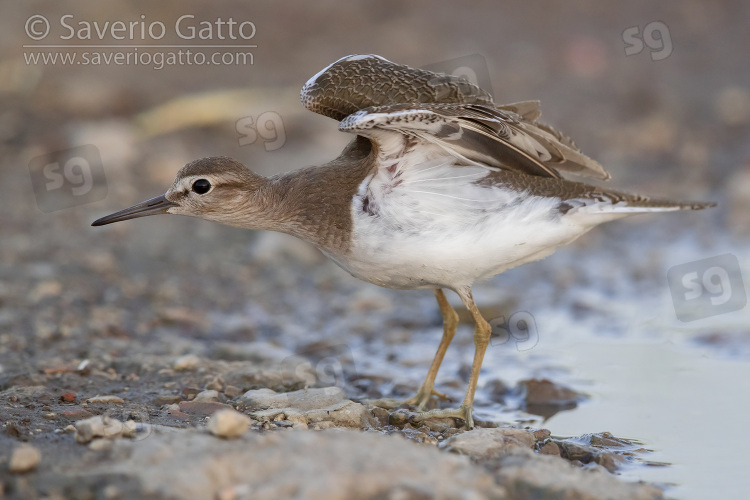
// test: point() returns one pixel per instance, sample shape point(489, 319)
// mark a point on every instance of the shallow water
point(615, 337)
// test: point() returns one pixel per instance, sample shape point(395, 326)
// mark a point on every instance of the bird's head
point(218, 188)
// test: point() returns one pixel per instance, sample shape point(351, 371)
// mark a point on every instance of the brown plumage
point(434, 168)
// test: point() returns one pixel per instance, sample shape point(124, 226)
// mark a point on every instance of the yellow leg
point(450, 321)
point(427, 390)
point(481, 341)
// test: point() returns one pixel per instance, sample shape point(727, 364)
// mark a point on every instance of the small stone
point(306, 399)
point(129, 429)
point(174, 412)
point(604, 439)
point(541, 434)
point(186, 363)
point(206, 396)
point(79, 414)
point(99, 426)
point(344, 414)
point(398, 418)
point(228, 424)
point(167, 400)
point(297, 418)
point(381, 415)
point(546, 392)
point(576, 451)
point(550, 449)
point(217, 384)
point(610, 461)
point(232, 391)
point(438, 424)
point(488, 443)
point(25, 458)
point(68, 397)
point(106, 399)
point(202, 409)
point(189, 393)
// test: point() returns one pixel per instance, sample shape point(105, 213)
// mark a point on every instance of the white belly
point(440, 230)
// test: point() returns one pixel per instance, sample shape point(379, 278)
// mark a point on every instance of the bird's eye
point(201, 186)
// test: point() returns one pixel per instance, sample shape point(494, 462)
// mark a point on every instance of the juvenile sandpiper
point(439, 189)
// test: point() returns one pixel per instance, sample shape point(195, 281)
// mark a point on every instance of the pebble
point(106, 399)
point(25, 458)
point(228, 424)
point(232, 391)
point(167, 400)
point(488, 443)
point(68, 397)
point(98, 426)
point(603, 449)
point(549, 448)
point(186, 363)
point(189, 393)
point(306, 399)
point(546, 392)
point(79, 414)
point(438, 424)
point(207, 396)
point(202, 409)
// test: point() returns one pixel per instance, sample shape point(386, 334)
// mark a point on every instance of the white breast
point(431, 225)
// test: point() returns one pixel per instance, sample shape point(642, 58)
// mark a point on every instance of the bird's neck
point(313, 204)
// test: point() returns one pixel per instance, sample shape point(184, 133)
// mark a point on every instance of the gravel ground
point(175, 358)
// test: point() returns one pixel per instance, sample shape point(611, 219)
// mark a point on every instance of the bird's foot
point(463, 412)
point(420, 400)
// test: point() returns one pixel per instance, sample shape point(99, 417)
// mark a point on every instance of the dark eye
point(201, 186)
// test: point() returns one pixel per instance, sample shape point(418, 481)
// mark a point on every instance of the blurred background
point(646, 317)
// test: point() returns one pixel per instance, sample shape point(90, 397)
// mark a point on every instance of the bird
point(440, 188)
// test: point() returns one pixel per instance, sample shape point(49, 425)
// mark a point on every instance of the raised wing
point(360, 81)
point(368, 93)
point(480, 135)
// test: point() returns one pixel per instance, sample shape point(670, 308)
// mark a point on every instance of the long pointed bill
point(154, 206)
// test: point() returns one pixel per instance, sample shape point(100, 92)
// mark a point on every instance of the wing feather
point(368, 91)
